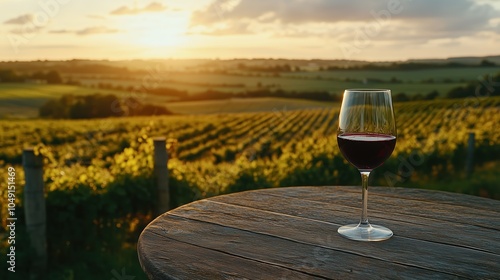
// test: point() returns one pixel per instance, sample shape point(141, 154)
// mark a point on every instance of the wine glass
point(366, 137)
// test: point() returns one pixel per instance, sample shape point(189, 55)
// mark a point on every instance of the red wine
point(366, 151)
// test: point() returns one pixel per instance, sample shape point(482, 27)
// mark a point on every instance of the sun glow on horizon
point(228, 29)
point(165, 33)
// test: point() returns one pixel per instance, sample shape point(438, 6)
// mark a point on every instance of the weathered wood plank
point(161, 175)
point(320, 261)
point(465, 202)
point(291, 233)
point(438, 197)
point(447, 259)
point(162, 257)
point(414, 227)
point(451, 213)
point(35, 211)
point(454, 214)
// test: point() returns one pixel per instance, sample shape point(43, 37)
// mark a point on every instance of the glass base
point(365, 232)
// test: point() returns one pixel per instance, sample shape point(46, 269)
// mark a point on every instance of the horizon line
point(244, 58)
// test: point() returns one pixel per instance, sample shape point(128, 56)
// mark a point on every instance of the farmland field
point(21, 100)
point(100, 188)
point(296, 135)
point(300, 81)
point(98, 173)
point(438, 75)
point(243, 105)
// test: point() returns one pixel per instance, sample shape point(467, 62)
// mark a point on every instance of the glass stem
point(364, 183)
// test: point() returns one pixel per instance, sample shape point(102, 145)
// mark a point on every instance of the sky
point(376, 30)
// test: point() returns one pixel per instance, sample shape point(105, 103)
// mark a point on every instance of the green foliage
point(84, 219)
point(9, 76)
point(487, 86)
point(50, 77)
point(99, 173)
point(97, 106)
point(487, 63)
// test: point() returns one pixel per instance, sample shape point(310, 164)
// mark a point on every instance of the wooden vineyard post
point(161, 175)
point(469, 163)
point(34, 209)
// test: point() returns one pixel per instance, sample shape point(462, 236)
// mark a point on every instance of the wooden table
point(291, 233)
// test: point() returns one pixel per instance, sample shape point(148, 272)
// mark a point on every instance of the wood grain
point(291, 233)
point(429, 229)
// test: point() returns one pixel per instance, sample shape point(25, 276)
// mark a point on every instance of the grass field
point(235, 105)
point(24, 91)
point(298, 81)
point(101, 171)
point(439, 74)
point(23, 100)
point(412, 81)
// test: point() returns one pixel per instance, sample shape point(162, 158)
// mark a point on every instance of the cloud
point(26, 30)
point(60, 31)
point(86, 31)
point(96, 30)
point(154, 7)
point(96, 17)
point(123, 10)
point(151, 8)
point(452, 18)
point(299, 11)
point(239, 28)
point(22, 19)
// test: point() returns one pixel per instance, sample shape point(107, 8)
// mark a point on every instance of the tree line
point(486, 86)
point(211, 94)
point(10, 76)
point(308, 95)
point(97, 106)
point(410, 66)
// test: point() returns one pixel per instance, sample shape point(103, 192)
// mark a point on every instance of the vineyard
point(98, 173)
point(209, 153)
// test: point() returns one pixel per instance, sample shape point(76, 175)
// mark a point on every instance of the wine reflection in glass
point(366, 137)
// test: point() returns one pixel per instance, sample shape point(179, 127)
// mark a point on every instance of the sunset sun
point(168, 32)
point(159, 38)
point(157, 31)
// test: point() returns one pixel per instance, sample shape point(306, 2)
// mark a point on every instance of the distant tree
point(38, 75)
point(72, 82)
point(395, 80)
point(102, 106)
point(66, 101)
point(98, 106)
point(431, 95)
point(153, 110)
point(52, 109)
point(9, 76)
point(487, 63)
point(417, 97)
point(401, 97)
point(79, 111)
point(461, 92)
point(487, 86)
point(53, 77)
